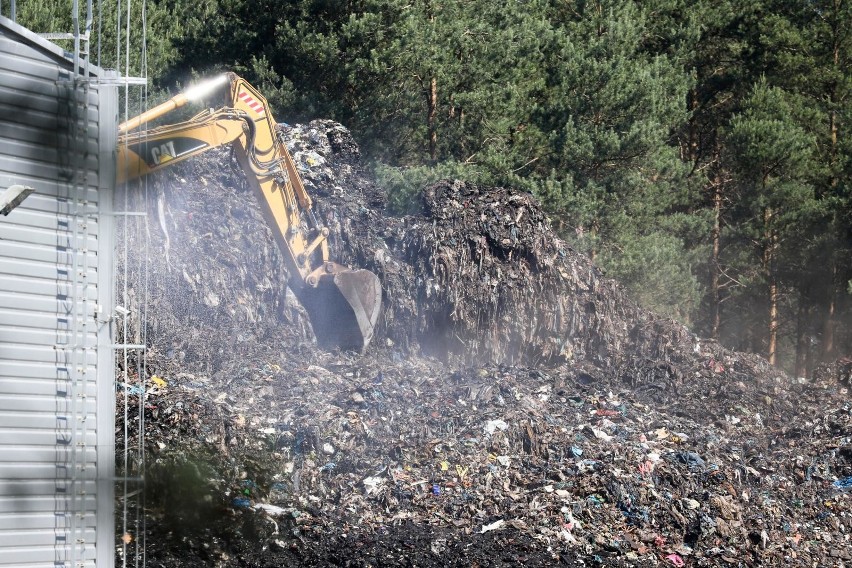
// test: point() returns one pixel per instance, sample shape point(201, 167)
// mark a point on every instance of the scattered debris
point(515, 409)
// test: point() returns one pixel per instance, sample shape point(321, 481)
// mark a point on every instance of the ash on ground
point(515, 407)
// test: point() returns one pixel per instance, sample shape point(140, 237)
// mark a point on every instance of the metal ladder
point(75, 476)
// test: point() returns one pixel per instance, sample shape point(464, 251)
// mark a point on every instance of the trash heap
point(515, 407)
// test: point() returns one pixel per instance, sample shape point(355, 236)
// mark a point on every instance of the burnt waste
point(514, 408)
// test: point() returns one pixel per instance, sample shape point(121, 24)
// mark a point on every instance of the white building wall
point(57, 135)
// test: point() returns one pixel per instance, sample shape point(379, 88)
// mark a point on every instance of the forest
point(699, 152)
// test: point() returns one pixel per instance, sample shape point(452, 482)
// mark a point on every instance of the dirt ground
point(514, 408)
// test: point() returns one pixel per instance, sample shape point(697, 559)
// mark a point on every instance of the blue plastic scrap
point(131, 389)
point(691, 459)
point(845, 483)
point(241, 503)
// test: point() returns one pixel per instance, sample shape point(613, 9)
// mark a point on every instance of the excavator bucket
point(344, 309)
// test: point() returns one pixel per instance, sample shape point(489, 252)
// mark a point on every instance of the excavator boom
point(343, 304)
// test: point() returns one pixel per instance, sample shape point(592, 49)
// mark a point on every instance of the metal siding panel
point(40, 388)
point(57, 255)
point(39, 537)
point(36, 151)
point(43, 404)
point(23, 88)
point(33, 557)
point(38, 116)
point(50, 196)
point(44, 200)
point(25, 487)
point(29, 217)
point(15, 319)
point(30, 437)
point(46, 454)
point(43, 236)
point(36, 370)
point(19, 268)
point(37, 170)
point(40, 286)
point(37, 66)
point(12, 64)
point(13, 471)
point(25, 133)
point(107, 133)
point(35, 336)
point(33, 77)
point(30, 77)
point(59, 564)
point(37, 420)
point(64, 305)
point(38, 266)
point(50, 228)
point(27, 349)
point(41, 113)
point(50, 354)
point(57, 297)
point(29, 521)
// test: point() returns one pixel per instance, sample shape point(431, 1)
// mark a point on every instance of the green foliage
point(405, 185)
point(607, 114)
point(772, 157)
point(279, 91)
point(765, 143)
point(658, 274)
point(637, 124)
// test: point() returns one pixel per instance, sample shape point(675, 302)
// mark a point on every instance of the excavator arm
point(343, 304)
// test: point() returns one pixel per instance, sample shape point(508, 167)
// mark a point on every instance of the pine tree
point(771, 154)
point(606, 114)
point(809, 51)
point(714, 49)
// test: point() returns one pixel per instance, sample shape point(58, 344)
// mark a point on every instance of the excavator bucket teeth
point(344, 310)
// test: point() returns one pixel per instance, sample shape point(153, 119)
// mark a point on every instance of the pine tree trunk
point(432, 120)
point(769, 253)
point(802, 326)
point(715, 265)
point(772, 345)
point(828, 350)
point(593, 250)
point(692, 136)
point(832, 116)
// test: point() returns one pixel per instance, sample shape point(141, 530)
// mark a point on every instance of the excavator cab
point(343, 304)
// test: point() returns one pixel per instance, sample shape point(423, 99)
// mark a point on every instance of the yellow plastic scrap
point(445, 465)
point(158, 381)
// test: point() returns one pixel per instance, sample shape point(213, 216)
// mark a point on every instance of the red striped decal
point(252, 104)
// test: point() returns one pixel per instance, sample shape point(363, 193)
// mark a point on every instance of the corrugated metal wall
point(56, 370)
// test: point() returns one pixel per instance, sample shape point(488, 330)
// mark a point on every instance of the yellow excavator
point(343, 304)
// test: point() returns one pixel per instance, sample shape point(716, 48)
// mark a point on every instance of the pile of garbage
point(515, 408)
